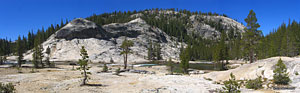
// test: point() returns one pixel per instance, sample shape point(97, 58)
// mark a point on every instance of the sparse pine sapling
point(185, 58)
point(117, 72)
point(170, 64)
point(19, 51)
point(254, 84)
point(7, 88)
point(35, 58)
point(48, 50)
point(231, 85)
point(125, 46)
point(105, 68)
point(83, 62)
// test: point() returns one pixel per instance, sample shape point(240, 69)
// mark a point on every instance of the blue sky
point(17, 17)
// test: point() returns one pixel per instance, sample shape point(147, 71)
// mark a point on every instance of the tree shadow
point(95, 85)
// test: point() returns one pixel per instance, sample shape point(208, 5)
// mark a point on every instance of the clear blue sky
point(17, 17)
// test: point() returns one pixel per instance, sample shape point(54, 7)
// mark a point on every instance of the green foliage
point(32, 70)
point(280, 74)
point(105, 68)
point(251, 36)
point(185, 58)
point(19, 51)
point(125, 46)
point(21, 45)
point(296, 73)
point(154, 51)
point(221, 52)
point(254, 84)
point(48, 51)
point(83, 62)
point(7, 88)
point(1, 60)
point(38, 56)
point(170, 64)
point(19, 69)
point(231, 85)
point(117, 72)
point(283, 41)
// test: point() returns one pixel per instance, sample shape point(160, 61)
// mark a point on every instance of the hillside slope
point(103, 44)
point(262, 68)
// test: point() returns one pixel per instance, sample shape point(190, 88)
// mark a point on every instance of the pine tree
point(40, 55)
point(19, 50)
point(158, 51)
point(125, 46)
point(1, 60)
point(35, 57)
point(251, 36)
point(185, 58)
point(280, 74)
point(83, 62)
point(48, 51)
point(150, 51)
point(170, 65)
point(231, 85)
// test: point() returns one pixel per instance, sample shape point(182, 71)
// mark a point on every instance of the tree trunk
point(41, 61)
point(251, 56)
point(20, 63)
point(85, 76)
point(125, 61)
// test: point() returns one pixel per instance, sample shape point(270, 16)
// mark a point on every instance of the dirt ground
point(65, 80)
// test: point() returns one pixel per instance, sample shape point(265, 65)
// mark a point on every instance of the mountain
point(102, 35)
point(205, 26)
point(103, 44)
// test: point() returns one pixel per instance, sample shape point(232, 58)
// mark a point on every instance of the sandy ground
point(65, 80)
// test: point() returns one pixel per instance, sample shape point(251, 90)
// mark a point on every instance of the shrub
point(296, 73)
point(1, 60)
point(231, 85)
point(32, 70)
point(117, 71)
point(254, 84)
point(111, 60)
point(171, 66)
point(7, 88)
point(19, 69)
point(280, 74)
point(105, 69)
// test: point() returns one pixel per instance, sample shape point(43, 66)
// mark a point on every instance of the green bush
point(105, 69)
point(170, 65)
point(7, 88)
point(280, 74)
point(254, 84)
point(118, 71)
point(231, 85)
point(296, 73)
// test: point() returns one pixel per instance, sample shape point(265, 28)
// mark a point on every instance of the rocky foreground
point(65, 80)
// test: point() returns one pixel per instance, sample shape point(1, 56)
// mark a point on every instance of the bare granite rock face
point(200, 26)
point(65, 46)
point(81, 28)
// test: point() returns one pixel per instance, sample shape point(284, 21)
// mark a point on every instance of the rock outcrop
point(81, 28)
point(201, 27)
point(104, 44)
